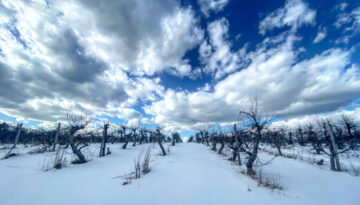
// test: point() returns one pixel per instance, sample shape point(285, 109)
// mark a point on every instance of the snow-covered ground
point(349, 160)
point(189, 174)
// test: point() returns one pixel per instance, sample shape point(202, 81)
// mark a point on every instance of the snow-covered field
point(349, 160)
point(189, 174)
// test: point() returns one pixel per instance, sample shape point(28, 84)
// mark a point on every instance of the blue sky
point(181, 65)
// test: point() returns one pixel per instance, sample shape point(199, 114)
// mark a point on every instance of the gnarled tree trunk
point(77, 151)
point(222, 145)
point(333, 150)
point(253, 155)
point(159, 142)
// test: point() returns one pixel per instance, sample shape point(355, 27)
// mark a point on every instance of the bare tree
point(159, 136)
point(198, 138)
point(333, 153)
point(300, 136)
point(290, 139)
point(143, 135)
point(236, 144)
point(191, 139)
point(76, 123)
point(134, 135)
point(175, 138)
point(214, 139)
point(333, 147)
point(255, 122)
point(314, 138)
point(351, 131)
point(126, 137)
point(277, 139)
point(221, 141)
point(205, 136)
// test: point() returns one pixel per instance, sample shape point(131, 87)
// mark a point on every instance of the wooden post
point(103, 141)
point(17, 135)
point(56, 136)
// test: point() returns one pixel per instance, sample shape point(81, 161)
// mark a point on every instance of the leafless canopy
point(76, 121)
point(253, 118)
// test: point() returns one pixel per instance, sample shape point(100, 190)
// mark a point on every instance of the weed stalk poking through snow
point(146, 161)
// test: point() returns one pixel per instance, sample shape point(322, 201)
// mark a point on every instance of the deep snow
point(189, 174)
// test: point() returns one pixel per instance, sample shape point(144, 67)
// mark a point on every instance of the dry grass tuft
point(146, 161)
point(271, 183)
